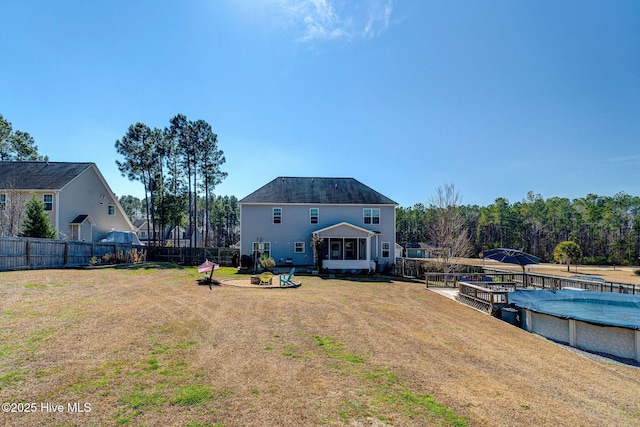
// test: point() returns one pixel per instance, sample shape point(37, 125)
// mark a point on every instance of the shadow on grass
point(153, 265)
point(356, 278)
point(371, 279)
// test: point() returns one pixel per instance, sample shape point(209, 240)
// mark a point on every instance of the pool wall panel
point(606, 339)
point(551, 327)
point(616, 341)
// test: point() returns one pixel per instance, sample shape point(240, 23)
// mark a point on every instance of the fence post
point(29, 254)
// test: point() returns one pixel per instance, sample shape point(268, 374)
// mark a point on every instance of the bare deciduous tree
point(12, 208)
point(448, 230)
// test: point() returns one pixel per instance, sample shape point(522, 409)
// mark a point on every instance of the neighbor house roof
point(317, 191)
point(39, 175)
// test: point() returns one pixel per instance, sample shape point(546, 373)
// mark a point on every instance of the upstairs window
point(48, 202)
point(111, 210)
point(371, 216)
point(299, 247)
point(277, 215)
point(3, 201)
point(314, 213)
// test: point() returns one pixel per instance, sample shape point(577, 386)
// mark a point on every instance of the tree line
point(179, 166)
point(16, 145)
point(223, 217)
point(606, 228)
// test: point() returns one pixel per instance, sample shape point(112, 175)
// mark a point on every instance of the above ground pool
point(600, 308)
point(600, 322)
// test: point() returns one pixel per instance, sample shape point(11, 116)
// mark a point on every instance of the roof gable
point(345, 225)
point(317, 191)
point(39, 175)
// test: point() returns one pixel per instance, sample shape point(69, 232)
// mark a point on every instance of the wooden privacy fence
point(24, 253)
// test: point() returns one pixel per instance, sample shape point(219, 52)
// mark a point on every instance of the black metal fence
point(227, 257)
point(529, 280)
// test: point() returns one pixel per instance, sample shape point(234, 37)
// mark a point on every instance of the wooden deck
point(485, 296)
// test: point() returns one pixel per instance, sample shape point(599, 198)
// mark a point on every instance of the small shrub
point(267, 263)
point(637, 272)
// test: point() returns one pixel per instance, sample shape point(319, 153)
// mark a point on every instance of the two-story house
point(354, 224)
point(80, 204)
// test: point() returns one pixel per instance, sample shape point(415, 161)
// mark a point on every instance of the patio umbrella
point(203, 268)
point(510, 256)
point(207, 266)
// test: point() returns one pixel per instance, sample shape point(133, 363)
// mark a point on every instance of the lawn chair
point(265, 278)
point(286, 280)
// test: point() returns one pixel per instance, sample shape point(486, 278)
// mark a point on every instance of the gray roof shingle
point(39, 175)
point(317, 191)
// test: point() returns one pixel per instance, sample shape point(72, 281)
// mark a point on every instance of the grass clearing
point(147, 346)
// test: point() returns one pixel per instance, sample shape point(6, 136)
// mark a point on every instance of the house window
point(262, 248)
point(298, 247)
point(371, 216)
point(3, 201)
point(48, 202)
point(386, 249)
point(277, 215)
point(313, 215)
point(344, 249)
point(111, 210)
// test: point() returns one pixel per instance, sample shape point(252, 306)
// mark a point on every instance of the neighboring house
point(145, 230)
point(419, 250)
point(79, 202)
point(177, 236)
point(184, 236)
point(355, 224)
point(399, 250)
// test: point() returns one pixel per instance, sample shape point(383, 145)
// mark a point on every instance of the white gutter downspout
point(57, 213)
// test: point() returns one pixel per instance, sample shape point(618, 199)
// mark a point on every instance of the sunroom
point(345, 247)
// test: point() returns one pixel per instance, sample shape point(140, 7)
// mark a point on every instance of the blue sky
point(497, 97)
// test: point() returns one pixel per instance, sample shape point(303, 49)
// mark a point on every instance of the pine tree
point(36, 223)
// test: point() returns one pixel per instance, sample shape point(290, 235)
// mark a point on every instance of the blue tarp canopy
point(600, 308)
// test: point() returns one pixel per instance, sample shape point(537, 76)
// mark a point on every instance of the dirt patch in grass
point(151, 347)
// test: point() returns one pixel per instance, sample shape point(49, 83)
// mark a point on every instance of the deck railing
point(529, 280)
point(486, 296)
point(450, 280)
